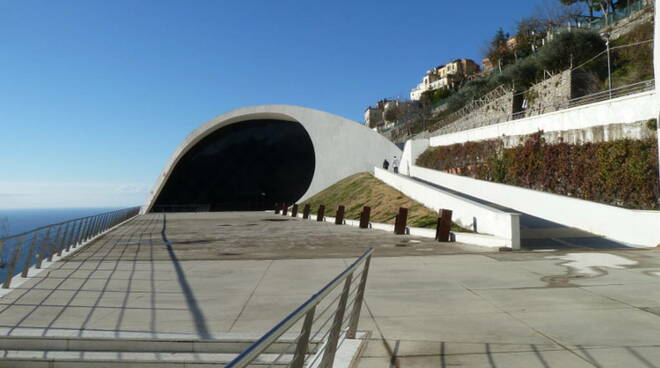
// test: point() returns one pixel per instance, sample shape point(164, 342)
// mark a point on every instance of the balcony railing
point(21, 251)
point(326, 323)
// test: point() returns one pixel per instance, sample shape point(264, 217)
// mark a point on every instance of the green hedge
point(621, 173)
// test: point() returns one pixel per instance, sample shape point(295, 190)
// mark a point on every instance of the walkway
point(539, 233)
point(431, 305)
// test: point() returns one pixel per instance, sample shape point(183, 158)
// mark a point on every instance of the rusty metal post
point(364, 217)
point(285, 209)
point(339, 219)
point(444, 226)
point(306, 211)
point(400, 223)
point(277, 208)
point(294, 211)
point(321, 213)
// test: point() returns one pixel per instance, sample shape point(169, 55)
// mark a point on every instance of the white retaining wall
point(622, 110)
point(412, 149)
point(633, 227)
point(466, 213)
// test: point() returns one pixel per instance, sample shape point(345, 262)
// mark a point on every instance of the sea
point(18, 221)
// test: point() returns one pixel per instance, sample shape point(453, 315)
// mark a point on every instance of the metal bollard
point(400, 223)
point(339, 219)
point(364, 217)
point(285, 209)
point(444, 226)
point(321, 213)
point(306, 211)
point(294, 211)
point(277, 208)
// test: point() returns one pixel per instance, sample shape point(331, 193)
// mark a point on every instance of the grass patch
point(363, 189)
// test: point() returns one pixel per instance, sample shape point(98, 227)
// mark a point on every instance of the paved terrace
point(433, 305)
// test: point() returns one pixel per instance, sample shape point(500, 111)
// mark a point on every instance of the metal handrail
point(69, 233)
point(307, 310)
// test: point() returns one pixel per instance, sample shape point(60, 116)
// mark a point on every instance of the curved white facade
point(341, 147)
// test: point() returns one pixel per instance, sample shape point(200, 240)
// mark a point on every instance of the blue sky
point(95, 95)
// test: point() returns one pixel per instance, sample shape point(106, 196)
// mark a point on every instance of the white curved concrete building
point(252, 157)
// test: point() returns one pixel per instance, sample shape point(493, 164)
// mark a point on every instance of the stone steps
point(134, 350)
point(103, 359)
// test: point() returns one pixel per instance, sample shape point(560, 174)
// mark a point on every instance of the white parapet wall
point(633, 227)
point(622, 110)
point(411, 151)
point(503, 225)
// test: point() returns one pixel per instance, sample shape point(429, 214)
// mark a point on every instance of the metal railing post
point(28, 259)
point(72, 236)
point(303, 341)
point(357, 304)
point(12, 263)
point(42, 248)
point(335, 330)
point(53, 244)
point(88, 227)
point(61, 245)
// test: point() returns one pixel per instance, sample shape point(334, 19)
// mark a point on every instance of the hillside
point(363, 189)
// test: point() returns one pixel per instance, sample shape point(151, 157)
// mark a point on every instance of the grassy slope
point(364, 189)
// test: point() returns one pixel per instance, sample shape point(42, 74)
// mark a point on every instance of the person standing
point(395, 165)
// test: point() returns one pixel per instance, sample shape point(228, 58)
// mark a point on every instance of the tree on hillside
point(497, 51)
point(552, 14)
point(529, 35)
point(603, 6)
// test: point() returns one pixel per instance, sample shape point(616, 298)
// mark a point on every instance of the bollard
point(285, 209)
point(306, 210)
point(444, 226)
point(339, 219)
point(277, 208)
point(320, 214)
point(400, 222)
point(364, 217)
point(294, 211)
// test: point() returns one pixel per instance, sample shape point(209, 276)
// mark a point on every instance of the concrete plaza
point(218, 274)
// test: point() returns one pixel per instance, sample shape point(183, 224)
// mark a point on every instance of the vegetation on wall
point(621, 173)
point(633, 64)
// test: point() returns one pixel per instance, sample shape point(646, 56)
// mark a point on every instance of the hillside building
point(445, 76)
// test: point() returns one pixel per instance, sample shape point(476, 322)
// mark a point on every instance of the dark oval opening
point(250, 165)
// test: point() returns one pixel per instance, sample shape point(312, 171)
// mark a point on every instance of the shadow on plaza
point(539, 356)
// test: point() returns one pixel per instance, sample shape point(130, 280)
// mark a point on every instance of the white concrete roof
point(342, 147)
